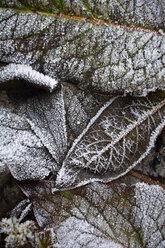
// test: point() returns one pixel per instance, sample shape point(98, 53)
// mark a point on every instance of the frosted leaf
point(108, 215)
point(116, 139)
point(146, 13)
point(33, 145)
point(18, 71)
point(80, 107)
point(3, 168)
point(111, 59)
point(22, 150)
point(21, 210)
point(45, 114)
point(78, 117)
point(150, 213)
point(79, 233)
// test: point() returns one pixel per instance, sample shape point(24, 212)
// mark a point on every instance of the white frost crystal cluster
point(19, 71)
point(26, 233)
point(19, 234)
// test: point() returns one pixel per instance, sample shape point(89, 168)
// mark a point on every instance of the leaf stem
point(145, 178)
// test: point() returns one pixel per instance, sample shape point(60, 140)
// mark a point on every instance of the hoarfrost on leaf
point(145, 13)
point(94, 54)
point(114, 214)
point(116, 139)
point(111, 59)
point(21, 210)
point(34, 144)
point(80, 107)
point(79, 233)
point(149, 212)
point(25, 72)
point(45, 114)
point(21, 149)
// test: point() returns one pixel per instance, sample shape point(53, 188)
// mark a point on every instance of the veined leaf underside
point(116, 139)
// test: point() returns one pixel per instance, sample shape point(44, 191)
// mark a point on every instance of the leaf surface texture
point(33, 142)
point(117, 138)
point(109, 216)
point(110, 59)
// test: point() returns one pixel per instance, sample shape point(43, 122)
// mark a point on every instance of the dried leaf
point(98, 215)
point(117, 138)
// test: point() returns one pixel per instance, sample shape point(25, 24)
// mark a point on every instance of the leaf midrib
point(124, 133)
point(95, 21)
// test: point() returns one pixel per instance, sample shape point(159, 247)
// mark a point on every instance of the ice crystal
point(18, 234)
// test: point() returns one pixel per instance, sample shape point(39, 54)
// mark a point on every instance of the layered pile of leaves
point(38, 144)
point(65, 145)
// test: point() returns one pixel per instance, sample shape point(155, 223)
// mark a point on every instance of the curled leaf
point(25, 72)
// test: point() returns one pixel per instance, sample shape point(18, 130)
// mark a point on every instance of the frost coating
point(80, 107)
point(45, 114)
point(146, 13)
point(35, 144)
point(129, 216)
point(18, 234)
point(110, 59)
point(21, 150)
point(18, 71)
point(21, 210)
point(149, 213)
point(79, 233)
point(116, 139)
